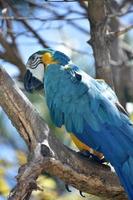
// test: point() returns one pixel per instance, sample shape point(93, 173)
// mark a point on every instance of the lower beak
point(31, 83)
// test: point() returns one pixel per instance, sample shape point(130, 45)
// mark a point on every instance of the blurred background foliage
point(27, 26)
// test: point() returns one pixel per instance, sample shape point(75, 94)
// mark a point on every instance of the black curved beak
point(31, 83)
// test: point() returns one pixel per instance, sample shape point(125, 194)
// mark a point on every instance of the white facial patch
point(38, 72)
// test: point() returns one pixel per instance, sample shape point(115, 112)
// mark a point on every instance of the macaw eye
point(33, 59)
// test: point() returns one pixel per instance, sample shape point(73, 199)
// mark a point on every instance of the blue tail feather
point(126, 177)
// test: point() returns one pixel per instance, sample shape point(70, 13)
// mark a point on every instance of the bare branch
point(83, 5)
point(125, 4)
point(120, 32)
point(68, 1)
point(11, 54)
point(38, 37)
point(60, 17)
point(118, 10)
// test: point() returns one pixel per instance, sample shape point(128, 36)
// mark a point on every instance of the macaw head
point(38, 63)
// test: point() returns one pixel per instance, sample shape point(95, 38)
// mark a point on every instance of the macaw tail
point(125, 174)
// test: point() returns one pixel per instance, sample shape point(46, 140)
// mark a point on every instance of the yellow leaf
point(44, 181)
point(4, 188)
point(22, 157)
point(48, 186)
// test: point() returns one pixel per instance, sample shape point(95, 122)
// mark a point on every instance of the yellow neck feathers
point(47, 58)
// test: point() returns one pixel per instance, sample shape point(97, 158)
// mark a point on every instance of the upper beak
point(31, 83)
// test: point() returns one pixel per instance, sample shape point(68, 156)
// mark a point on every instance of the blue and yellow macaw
point(88, 108)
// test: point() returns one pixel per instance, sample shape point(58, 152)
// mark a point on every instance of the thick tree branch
point(48, 154)
point(97, 15)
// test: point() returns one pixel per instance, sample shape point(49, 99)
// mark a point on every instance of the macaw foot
point(68, 189)
point(91, 156)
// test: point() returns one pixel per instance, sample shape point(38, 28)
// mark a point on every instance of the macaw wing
point(75, 101)
point(83, 106)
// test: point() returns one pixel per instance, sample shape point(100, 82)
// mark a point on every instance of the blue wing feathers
point(88, 109)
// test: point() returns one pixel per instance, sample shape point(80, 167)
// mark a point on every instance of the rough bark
point(48, 154)
point(117, 55)
point(120, 62)
point(97, 15)
point(106, 48)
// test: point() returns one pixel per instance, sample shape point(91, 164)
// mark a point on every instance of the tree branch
point(120, 32)
point(48, 154)
point(26, 24)
point(97, 16)
point(11, 54)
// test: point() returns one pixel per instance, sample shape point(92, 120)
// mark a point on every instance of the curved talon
point(104, 160)
point(81, 194)
point(67, 188)
point(97, 159)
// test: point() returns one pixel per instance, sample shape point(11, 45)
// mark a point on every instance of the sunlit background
point(65, 27)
